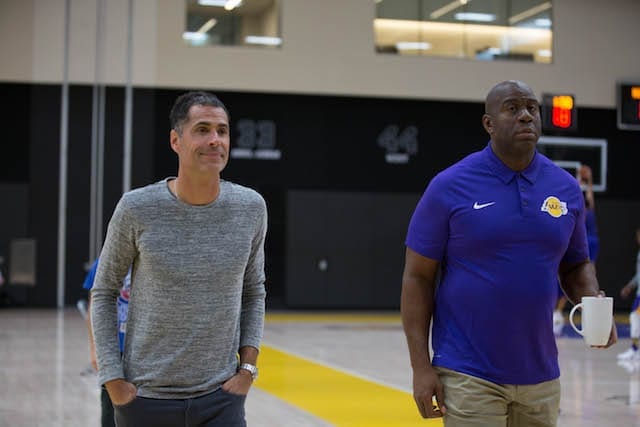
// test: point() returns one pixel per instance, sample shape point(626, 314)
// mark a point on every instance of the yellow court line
point(339, 398)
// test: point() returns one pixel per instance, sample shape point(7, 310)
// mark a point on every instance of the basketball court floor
point(316, 370)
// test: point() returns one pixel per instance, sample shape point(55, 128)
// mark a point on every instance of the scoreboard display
point(628, 103)
point(559, 114)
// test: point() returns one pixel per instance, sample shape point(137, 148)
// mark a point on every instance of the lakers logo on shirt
point(554, 207)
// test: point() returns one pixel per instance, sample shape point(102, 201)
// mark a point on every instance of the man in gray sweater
point(196, 311)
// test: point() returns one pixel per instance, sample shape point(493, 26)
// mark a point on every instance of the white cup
point(597, 315)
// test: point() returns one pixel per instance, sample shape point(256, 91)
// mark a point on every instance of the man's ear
point(174, 138)
point(487, 122)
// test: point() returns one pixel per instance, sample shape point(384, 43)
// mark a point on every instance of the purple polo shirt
point(500, 236)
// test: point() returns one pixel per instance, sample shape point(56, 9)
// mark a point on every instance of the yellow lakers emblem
point(554, 207)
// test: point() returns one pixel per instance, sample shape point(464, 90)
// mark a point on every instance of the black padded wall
point(44, 130)
point(369, 148)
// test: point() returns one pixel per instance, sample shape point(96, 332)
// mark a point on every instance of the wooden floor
point(316, 370)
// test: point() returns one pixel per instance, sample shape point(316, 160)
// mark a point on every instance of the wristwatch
point(253, 370)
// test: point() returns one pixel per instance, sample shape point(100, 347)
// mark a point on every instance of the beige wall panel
point(82, 42)
point(327, 49)
point(99, 57)
point(112, 61)
point(596, 44)
point(145, 39)
point(115, 42)
point(48, 42)
point(35, 30)
point(320, 44)
point(16, 38)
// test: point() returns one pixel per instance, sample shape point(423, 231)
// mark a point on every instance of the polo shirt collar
point(530, 173)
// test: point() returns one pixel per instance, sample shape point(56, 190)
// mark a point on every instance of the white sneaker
point(558, 323)
point(630, 366)
point(630, 354)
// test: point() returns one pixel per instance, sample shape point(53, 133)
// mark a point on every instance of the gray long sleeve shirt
point(197, 289)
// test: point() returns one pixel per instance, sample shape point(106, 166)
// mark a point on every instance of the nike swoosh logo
point(476, 205)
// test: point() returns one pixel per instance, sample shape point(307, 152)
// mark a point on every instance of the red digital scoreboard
point(628, 101)
point(559, 113)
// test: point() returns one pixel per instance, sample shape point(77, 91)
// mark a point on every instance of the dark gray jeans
point(218, 408)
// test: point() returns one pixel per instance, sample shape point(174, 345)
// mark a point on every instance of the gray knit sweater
point(197, 289)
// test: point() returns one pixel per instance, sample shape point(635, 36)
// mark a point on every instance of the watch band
point(253, 370)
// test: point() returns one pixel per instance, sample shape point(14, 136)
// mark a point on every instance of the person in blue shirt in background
point(107, 414)
point(497, 228)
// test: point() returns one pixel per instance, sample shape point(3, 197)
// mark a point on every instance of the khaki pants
point(472, 402)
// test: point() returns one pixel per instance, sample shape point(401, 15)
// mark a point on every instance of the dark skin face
point(512, 119)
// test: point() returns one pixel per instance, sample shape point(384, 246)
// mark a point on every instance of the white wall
point(328, 49)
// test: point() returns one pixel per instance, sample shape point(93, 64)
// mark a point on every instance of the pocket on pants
point(233, 395)
point(125, 405)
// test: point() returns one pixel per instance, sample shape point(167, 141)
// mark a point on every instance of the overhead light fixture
point(447, 8)
point(214, 3)
point(413, 46)
point(488, 53)
point(530, 12)
point(194, 36)
point(227, 4)
point(263, 40)
point(232, 4)
point(475, 17)
point(543, 22)
point(207, 26)
point(199, 37)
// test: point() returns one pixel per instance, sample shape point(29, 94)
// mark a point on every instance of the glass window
point(479, 29)
point(233, 22)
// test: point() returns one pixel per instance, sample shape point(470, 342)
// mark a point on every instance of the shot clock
point(559, 113)
point(628, 103)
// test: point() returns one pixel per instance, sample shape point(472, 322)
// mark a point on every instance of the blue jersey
point(123, 300)
point(500, 236)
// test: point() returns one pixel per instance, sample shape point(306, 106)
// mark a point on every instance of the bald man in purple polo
point(497, 228)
